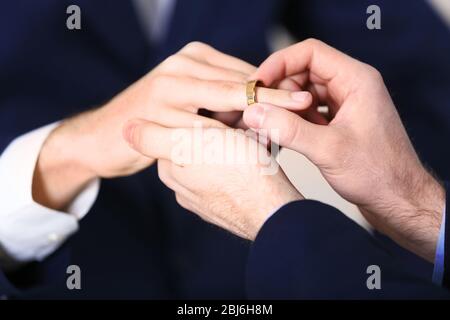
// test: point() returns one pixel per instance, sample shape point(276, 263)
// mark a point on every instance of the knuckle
point(373, 73)
point(174, 63)
point(274, 56)
point(163, 175)
point(313, 42)
point(179, 198)
point(195, 47)
point(181, 201)
point(372, 78)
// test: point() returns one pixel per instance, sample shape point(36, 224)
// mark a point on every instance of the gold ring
point(250, 91)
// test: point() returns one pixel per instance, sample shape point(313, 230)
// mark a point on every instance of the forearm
point(427, 208)
point(413, 215)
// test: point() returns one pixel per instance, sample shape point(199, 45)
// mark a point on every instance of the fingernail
point(254, 116)
point(300, 96)
point(128, 131)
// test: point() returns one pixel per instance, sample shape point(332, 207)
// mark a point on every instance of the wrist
point(422, 207)
point(60, 173)
point(274, 203)
point(429, 207)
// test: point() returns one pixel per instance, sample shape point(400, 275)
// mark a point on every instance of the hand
point(91, 145)
point(235, 183)
point(364, 151)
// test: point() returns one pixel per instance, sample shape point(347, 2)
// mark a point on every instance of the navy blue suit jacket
point(137, 242)
point(309, 250)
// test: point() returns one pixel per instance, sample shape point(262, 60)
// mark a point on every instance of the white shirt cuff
point(28, 230)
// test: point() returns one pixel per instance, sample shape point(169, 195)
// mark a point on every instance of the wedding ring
point(250, 91)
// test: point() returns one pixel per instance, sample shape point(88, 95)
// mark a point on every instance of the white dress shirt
point(29, 231)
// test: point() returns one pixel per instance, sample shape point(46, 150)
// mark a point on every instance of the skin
point(90, 145)
point(363, 150)
point(234, 195)
point(360, 146)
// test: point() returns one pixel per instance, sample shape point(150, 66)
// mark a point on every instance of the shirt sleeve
point(438, 271)
point(28, 230)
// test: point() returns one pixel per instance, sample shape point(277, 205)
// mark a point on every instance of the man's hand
point(224, 176)
point(91, 145)
point(363, 151)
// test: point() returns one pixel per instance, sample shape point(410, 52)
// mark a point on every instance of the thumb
point(291, 130)
point(149, 138)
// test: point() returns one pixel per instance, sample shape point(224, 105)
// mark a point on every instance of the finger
point(192, 94)
point(241, 124)
point(319, 94)
point(206, 53)
point(293, 100)
point(286, 128)
point(184, 202)
point(229, 118)
point(185, 65)
point(184, 197)
point(150, 139)
point(325, 64)
point(232, 119)
point(165, 174)
point(322, 95)
point(294, 83)
point(288, 84)
point(178, 118)
point(314, 116)
point(178, 145)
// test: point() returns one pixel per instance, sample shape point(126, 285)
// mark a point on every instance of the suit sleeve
point(446, 278)
point(30, 261)
point(28, 230)
point(29, 280)
point(26, 102)
point(309, 250)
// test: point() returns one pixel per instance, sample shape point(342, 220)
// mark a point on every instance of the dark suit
point(296, 257)
point(137, 242)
